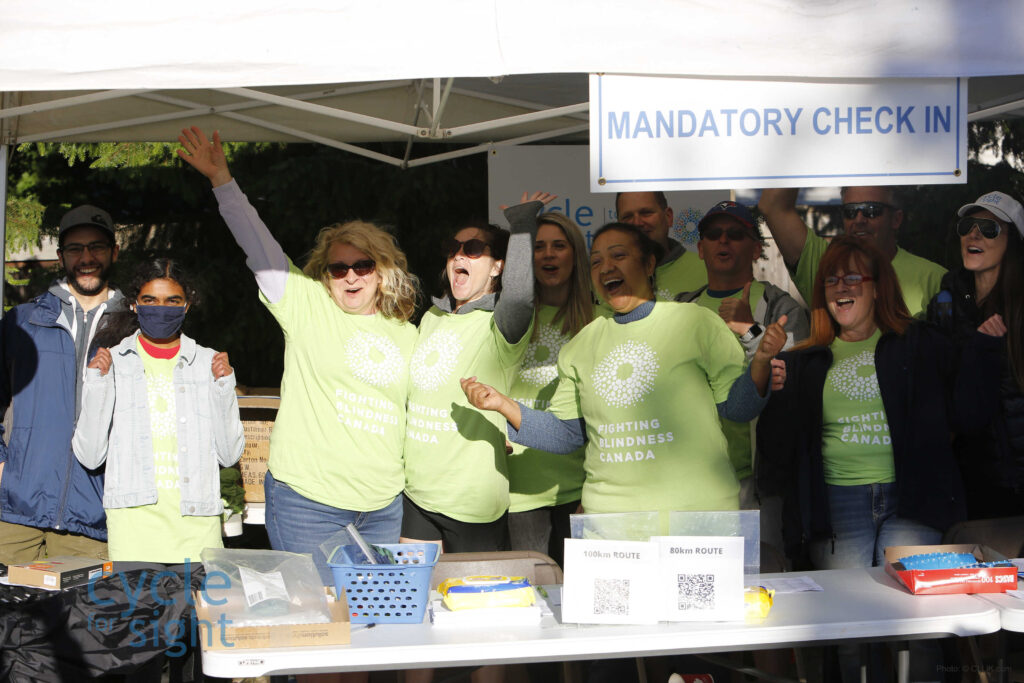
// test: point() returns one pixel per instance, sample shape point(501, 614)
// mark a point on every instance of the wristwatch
point(751, 334)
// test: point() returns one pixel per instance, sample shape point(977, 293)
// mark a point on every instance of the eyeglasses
point(869, 209)
point(850, 279)
point(339, 270)
point(989, 228)
point(473, 248)
point(95, 248)
point(734, 233)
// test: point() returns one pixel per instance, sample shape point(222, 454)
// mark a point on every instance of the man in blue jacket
point(49, 504)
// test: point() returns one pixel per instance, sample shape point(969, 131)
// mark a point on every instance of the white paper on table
point(700, 578)
point(1016, 593)
point(798, 584)
point(610, 582)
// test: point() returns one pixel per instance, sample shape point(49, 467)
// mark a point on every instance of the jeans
point(864, 522)
point(297, 524)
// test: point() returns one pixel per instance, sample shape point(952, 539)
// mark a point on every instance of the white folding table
point(857, 605)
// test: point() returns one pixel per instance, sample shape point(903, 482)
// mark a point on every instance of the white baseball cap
point(1001, 205)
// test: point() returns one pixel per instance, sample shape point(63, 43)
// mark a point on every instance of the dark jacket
point(42, 483)
point(992, 457)
point(925, 398)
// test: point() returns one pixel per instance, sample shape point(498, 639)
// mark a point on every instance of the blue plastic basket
point(387, 593)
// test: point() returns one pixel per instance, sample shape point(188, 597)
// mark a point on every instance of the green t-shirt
point(340, 430)
point(855, 442)
point(737, 434)
point(648, 392)
point(920, 279)
point(537, 478)
point(158, 532)
point(455, 461)
point(685, 274)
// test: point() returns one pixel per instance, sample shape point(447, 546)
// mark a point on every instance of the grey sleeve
point(545, 432)
point(264, 255)
point(798, 324)
point(744, 403)
point(514, 309)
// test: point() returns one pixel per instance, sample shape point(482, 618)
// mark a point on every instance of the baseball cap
point(86, 214)
point(737, 211)
point(1000, 205)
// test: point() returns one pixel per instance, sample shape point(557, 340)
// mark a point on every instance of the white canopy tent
point(341, 73)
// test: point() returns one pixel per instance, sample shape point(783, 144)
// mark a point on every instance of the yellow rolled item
point(757, 601)
point(475, 592)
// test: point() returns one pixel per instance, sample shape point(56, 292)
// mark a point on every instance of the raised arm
point(526, 426)
point(514, 310)
point(264, 255)
point(779, 208)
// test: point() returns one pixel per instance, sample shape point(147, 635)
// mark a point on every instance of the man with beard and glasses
point(49, 504)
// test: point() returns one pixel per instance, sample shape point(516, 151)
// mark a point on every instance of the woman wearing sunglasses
point(456, 475)
point(986, 294)
point(336, 447)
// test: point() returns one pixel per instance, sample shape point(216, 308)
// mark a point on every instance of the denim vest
point(114, 427)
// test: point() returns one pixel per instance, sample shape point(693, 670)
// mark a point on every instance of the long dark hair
point(1006, 300)
point(124, 323)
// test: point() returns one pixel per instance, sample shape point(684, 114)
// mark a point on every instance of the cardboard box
point(942, 581)
point(217, 636)
point(63, 571)
point(258, 414)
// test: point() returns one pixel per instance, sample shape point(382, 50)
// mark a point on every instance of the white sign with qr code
point(610, 582)
point(700, 578)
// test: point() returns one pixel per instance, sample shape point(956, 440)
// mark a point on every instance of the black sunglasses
point(473, 248)
point(989, 228)
point(339, 270)
point(869, 209)
point(734, 233)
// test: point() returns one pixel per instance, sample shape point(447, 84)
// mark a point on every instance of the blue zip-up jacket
point(114, 428)
point(42, 484)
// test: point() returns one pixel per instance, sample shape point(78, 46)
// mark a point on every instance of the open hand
point(736, 312)
point(544, 198)
point(221, 367)
point(205, 156)
point(101, 361)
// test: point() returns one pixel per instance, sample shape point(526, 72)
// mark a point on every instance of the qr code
point(696, 591)
point(611, 596)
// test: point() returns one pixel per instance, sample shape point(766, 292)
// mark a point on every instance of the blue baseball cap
point(729, 208)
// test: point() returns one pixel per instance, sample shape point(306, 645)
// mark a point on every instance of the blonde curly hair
point(398, 291)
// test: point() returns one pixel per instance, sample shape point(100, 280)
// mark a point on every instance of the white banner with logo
point(562, 170)
point(671, 133)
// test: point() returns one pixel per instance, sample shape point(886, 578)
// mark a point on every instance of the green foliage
point(231, 490)
point(24, 222)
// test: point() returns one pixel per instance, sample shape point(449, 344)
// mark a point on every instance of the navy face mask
point(160, 322)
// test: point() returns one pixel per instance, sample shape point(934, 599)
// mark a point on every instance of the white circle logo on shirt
point(626, 375)
point(855, 377)
point(434, 360)
point(161, 414)
point(540, 363)
point(664, 295)
point(373, 359)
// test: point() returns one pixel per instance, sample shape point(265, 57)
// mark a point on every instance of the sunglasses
point(734, 233)
point(869, 209)
point(339, 270)
point(850, 279)
point(989, 228)
point(473, 248)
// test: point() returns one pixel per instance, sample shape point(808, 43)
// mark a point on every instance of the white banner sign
point(668, 133)
point(562, 170)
